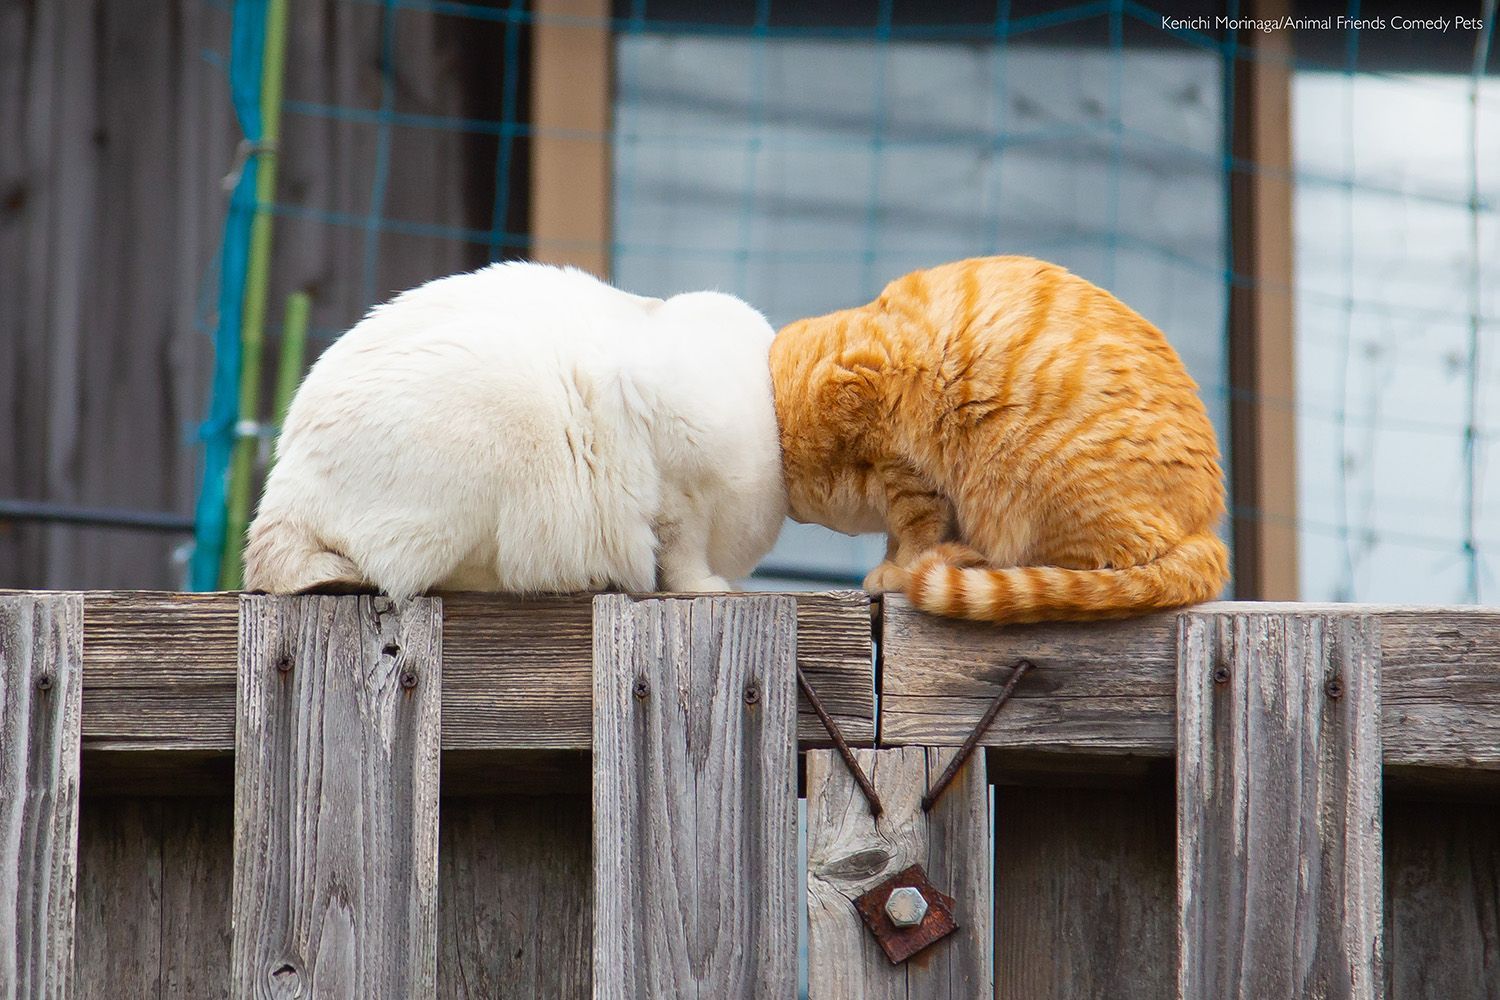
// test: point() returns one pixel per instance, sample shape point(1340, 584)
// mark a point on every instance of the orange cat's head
point(826, 406)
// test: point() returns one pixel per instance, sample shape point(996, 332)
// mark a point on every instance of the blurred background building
point(1312, 216)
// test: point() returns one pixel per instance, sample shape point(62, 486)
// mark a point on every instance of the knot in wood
point(285, 979)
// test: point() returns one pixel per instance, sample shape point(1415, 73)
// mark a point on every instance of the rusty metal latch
point(906, 913)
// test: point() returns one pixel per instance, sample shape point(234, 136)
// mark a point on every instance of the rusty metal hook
point(972, 740)
point(842, 744)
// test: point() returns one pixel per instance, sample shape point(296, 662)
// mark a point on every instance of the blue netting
point(218, 430)
point(801, 155)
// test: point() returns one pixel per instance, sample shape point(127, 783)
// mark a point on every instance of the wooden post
point(1278, 807)
point(41, 690)
point(572, 84)
point(1262, 314)
point(849, 852)
point(695, 797)
point(336, 795)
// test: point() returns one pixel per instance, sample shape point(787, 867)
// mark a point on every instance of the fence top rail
point(159, 676)
point(1110, 688)
point(159, 670)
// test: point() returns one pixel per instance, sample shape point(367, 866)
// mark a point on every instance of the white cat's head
point(715, 314)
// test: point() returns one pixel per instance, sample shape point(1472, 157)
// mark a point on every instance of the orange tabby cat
point(1034, 449)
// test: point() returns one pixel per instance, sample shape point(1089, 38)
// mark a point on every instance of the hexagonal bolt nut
point(906, 906)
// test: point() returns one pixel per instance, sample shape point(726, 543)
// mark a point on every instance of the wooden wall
point(154, 885)
point(1084, 904)
point(116, 132)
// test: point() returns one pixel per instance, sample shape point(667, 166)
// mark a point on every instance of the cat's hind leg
point(282, 557)
point(683, 555)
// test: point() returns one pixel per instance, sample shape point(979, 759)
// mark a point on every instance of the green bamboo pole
point(293, 354)
point(257, 280)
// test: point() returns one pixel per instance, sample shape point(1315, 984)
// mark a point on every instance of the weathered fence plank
point(1109, 687)
point(154, 878)
point(849, 852)
point(1279, 859)
point(41, 682)
point(517, 674)
point(1085, 893)
point(514, 911)
point(336, 798)
point(695, 789)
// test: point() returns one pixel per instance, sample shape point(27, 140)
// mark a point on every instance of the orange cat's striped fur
point(1034, 449)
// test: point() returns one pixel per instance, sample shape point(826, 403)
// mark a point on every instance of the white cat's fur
point(528, 428)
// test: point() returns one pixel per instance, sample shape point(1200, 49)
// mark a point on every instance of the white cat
point(528, 428)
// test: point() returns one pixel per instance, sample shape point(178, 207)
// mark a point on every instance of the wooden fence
point(410, 811)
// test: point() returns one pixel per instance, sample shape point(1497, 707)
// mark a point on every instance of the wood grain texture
point(1442, 899)
point(514, 898)
point(41, 680)
point(1108, 687)
point(1085, 893)
point(695, 794)
point(849, 852)
point(336, 798)
point(118, 135)
point(159, 670)
point(1278, 806)
point(154, 879)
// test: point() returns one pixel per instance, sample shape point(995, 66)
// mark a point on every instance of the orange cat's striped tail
point(1194, 571)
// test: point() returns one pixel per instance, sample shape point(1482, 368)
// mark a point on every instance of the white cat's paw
point(707, 585)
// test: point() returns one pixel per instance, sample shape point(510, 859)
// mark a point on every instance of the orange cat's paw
point(886, 578)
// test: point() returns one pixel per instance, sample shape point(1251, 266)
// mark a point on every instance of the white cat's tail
point(282, 557)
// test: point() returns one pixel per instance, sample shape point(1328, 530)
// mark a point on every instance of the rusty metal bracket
point(842, 744)
point(972, 740)
point(901, 941)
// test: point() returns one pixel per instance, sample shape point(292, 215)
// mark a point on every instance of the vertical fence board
point(41, 694)
point(695, 789)
point(1442, 881)
point(336, 806)
point(153, 898)
point(849, 852)
point(1085, 893)
point(1279, 863)
point(514, 910)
